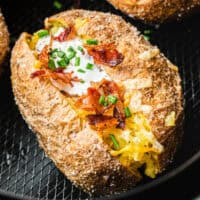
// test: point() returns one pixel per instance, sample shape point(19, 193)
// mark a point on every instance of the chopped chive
point(102, 100)
point(115, 143)
point(71, 55)
point(62, 63)
point(80, 49)
point(147, 32)
point(146, 37)
point(61, 54)
point(105, 104)
point(112, 99)
point(70, 49)
point(89, 66)
point(43, 33)
point(92, 42)
point(127, 112)
point(51, 64)
point(53, 53)
point(77, 61)
point(57, 5)
point(81, 70)
point(82, 81)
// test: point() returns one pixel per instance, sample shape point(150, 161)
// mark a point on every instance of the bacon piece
point(105, 54)
point(110, 88)
point(111, 115)
point(67, 34)
point(44, 56)
point(60, 76)
point(119, 114)
point(90, 101)
point(38, 73)
point(102, 122)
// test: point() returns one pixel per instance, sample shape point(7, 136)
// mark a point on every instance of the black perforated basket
point(25, 171)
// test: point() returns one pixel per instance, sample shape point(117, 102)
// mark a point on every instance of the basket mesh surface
point(24, 168)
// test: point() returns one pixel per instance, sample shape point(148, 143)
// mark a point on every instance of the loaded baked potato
point(4, 38)
point(156, 11)
point(102, 101)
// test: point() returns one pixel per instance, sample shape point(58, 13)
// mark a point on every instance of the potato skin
point(157, 11)
point(74, 147)
point(4, 38)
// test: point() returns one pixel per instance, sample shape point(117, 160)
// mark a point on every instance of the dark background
point(24, 169)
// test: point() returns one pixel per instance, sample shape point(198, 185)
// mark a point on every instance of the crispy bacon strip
point(105, 54)
point(68, 34)
point(59, 75)
point(90, 101)
point(102, 122)
point(38, 73)
point(44, 56)
point(106, 116)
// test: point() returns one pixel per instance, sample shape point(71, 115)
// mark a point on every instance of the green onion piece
point(70, 49)
point(57, 5)
point(102, 100)
point(92, 42)
point(89, 66)
point(127, 112)
point(43, 33)
point(81, 70)
point(147, 32)
point(77, 61)
point(82, 81)
point(53, 53)
point(71, 55)
point(146, 37)
point(112, 99)
point(105, 104)
point(116, 144)
point(62, 63)
point(80, 49)
point(61, 54)
point(51, 64)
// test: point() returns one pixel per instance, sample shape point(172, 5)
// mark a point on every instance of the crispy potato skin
point(4, 38)
point(75, 148)
point(156, 11)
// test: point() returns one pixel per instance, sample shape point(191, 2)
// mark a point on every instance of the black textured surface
point(24, 169)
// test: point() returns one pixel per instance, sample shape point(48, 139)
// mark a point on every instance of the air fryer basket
point(25, 171)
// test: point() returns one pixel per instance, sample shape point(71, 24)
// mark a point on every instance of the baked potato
point(156, 11)
point(105, 104)
point(4, 38)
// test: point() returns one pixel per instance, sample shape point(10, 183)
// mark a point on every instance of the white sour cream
point(94, 75)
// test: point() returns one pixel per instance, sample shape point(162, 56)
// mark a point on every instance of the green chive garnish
point(57, 5)
point(116, 144)
point(51, 64)
point(62, 63)
point(146, 37)
point(81, 70)
point(92, 42)
point(112, 99)
point(77, 61)
point(70, 49)
point(61, 54)
point(89, 66)
point(53, 53)
point(82, 81)
point(71, 55)
point(43, 33)
point(127, 112)
point(102, 100)
point(147, 32)
point(80, 48)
